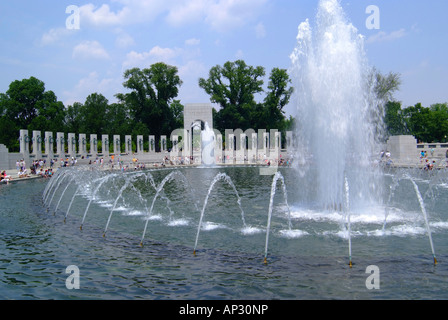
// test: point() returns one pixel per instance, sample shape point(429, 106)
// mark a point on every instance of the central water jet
point(330, 74)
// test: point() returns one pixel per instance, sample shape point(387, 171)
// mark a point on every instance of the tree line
point(426, 124)
point(150, 106)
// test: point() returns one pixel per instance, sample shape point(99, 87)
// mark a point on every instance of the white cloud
point(260, 31)
point(221, 15)
point(91, 84)
point(132, 12)
point(156, 54)
point(123, 40)
point(90, 50)
point(192, 42)
point(184, 12)
point(55, 35)
point(386, 37)
point(103, 16)
point(163, 54)
point(239, 54)
point(137, 60)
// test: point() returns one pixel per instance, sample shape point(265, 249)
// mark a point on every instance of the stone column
point(175, 149)
point(253, 148)
point(117, 145)
point(152, 144)
point(128, 144)
point(60, 144)
point(49, 144)
point(277, 146)
point(186, 143)
point(218, 147)
point(93, 144)
point(230, 148)
point(105, 144)
point(82, 145)
point(24, 142)
point(72, 144)
point(37, 144)
point(265, 146)
point(140, 144)
point(163, 144)
point(241, 151)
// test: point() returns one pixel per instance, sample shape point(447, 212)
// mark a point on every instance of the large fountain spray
point(336, 173)
point(330, 73)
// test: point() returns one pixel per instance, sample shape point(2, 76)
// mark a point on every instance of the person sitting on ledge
point(4, 177)
point(23, 174)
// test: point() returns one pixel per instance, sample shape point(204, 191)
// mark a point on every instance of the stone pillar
point(241, 149)
point(175, 141)
point(218, 148)
point(186, 143)
point(163, 144)
point(265, 146)
point(60, 144)
point(128, 144)
point(117, 145)
point(82, 145)
point(230, 148)
point(174, 153)
point(71, 144)
point(179, 137)
point(253, 148)
point(403, 149)
point(49, 144)
point(5, 158)
point(152, 144)
point(105, 144)
point(37, 144)
point(24, 142)
point(140, 143)
point(277, 145)
point(93, 144)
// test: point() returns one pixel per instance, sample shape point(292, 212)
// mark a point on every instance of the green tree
point(438, 124)
point(92, 114)
point(8, 134)
point(73, 118)
point(382, 88)
point(277, 98)
point(119, 121)
point(394, 119)
point(22, 101)
point(234, 86)
point(152, 91)
point(417, 119)
point(386, 86)
point(27, 105)
point(177, 109)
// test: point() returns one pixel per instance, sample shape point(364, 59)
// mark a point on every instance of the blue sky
point(195, 35)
